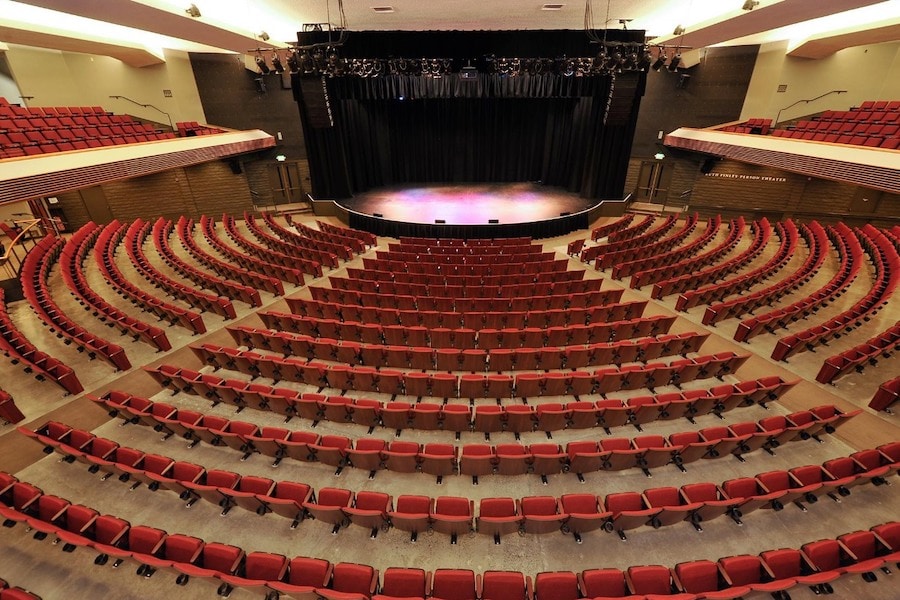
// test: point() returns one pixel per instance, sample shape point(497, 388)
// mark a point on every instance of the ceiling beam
point(131, 13)
point(30, 35)
point(741, 23)
point(823, 45)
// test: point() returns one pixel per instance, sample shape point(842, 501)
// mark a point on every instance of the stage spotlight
point(193, 11)
point(660, 61)
point(750, 4)
point(293, 62)
point(264, 36)
point(276, 64)
point(673, 65)
point(643, 63)
point(261, 65)
point(679, 30)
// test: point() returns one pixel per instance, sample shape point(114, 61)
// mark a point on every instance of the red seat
point(455, 584)
point(558, 585)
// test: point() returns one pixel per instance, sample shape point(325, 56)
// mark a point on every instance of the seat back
point(497, 507)
point(559, 585)
point(606, 583)
point(504, 585)
point(353, 578)
point(698, 576)
point(743, 569)
point(404, 583)
point(651, 579)
point(453, 584)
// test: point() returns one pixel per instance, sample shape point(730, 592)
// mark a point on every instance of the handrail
point(29, 224)
point(806, 101)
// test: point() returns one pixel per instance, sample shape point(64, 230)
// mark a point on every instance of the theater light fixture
point(679, 30)
point(261, 65)
point(293, 62)
point(660, 61)
point(673, 64)
point(264, 36)
point(193, 11)
point(276, 64)
point(750, 4)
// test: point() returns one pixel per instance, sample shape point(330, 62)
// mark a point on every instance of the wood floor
point(47, 571)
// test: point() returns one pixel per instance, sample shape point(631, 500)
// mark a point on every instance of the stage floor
point(471, 204)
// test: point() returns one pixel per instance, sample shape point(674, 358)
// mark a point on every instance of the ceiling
point(138, 31)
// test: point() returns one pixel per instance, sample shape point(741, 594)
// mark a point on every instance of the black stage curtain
point(549, 128)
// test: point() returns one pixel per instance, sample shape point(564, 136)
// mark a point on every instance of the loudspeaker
point(683, 80)
point(260, 85)
point(315, 98)
point(235, 166)
point(707, 165)
point(440, 221)
point(493, 221)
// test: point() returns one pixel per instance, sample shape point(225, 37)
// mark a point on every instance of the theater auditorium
point(345, 300)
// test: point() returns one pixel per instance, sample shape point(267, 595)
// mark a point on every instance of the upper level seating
point(192, 128)
point(888, 393)
point(35, 130)
point(874, 124)
point(756, 126)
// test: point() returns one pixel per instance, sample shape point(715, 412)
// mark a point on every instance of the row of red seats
point(871, 141)
point(757, 126)
point(318, 255)
point(633, 230)
point(343, 250)
point(222, 286)
point(866, 353)
point(463, 305)
point(604, 230)
point(550, 265)
point(632, 237)
point(552, 288)
point(886, 260)
point(250, 267)
point(815, 564)
point(787, 234)
point(227, 270)
point(817, 243)
point(695, 503)
point(192, 128)
point(434, 279)
point(71, 262)
point(474, 319)
point(451, 260)
point(152, 549)
point(288, 262)
point(883, 128)
point(641, 249)
point(850, 252)
point(18, 348)
point(789, 241)
point(675, 278)
point(652, 269)
point(668, 250)
point(472, 360)
point(104, 255)
point(466, 338)
point(887, 394)
point(9, 108)
point(458, 417)
point(35, 271)
point(464, 250)
point(474, 460)
point(692, 280)
point(448, 385)
point(370, 239)
point(513, 241)
point(346, 237)
point(135, 237)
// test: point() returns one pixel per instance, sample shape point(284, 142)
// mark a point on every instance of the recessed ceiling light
point(552, 6)
point(383, 9)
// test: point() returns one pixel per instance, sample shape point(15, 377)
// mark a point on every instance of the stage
point(470, 211)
